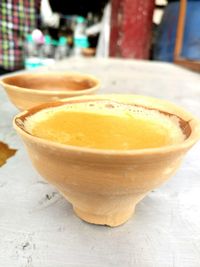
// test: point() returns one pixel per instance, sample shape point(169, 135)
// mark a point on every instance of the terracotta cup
point(27, 90)
point(104, 186)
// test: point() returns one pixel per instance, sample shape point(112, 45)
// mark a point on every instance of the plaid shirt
point(17, 19)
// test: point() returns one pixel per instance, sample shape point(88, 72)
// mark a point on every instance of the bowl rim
point(185, 145)
point(51, 92)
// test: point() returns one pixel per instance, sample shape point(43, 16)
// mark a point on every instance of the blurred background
point(38, 33)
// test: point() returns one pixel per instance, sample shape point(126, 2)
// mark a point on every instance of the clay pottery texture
point(102, 185)
point(27, 90)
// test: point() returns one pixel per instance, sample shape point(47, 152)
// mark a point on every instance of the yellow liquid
point(121, 131)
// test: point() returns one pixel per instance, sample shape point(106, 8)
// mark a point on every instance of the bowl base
point(112, 220)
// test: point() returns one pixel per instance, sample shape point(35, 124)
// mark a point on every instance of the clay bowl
point(30, 89)
point(104, 186)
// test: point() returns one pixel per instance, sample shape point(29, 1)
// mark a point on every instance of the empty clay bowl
point(30, 89)
point(103, 185)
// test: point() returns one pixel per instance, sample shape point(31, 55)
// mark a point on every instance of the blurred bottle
point(92, 31)
point(32, 54)
point(62, 49)
point(48, 51)
point(90, 19)
point(80, 37)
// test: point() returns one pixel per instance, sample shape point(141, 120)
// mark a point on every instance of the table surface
point(38, 227)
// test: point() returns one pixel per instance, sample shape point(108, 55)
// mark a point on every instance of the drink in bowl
point(27, 90)
point(105, 153)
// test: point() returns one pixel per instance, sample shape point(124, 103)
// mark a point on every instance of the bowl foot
point(114, 219)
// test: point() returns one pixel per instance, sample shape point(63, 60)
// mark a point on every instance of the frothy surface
point(105, 124)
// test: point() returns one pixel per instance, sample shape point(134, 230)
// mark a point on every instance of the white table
point(38, 227)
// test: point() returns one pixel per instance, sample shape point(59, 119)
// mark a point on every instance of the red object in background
point(131, 27)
